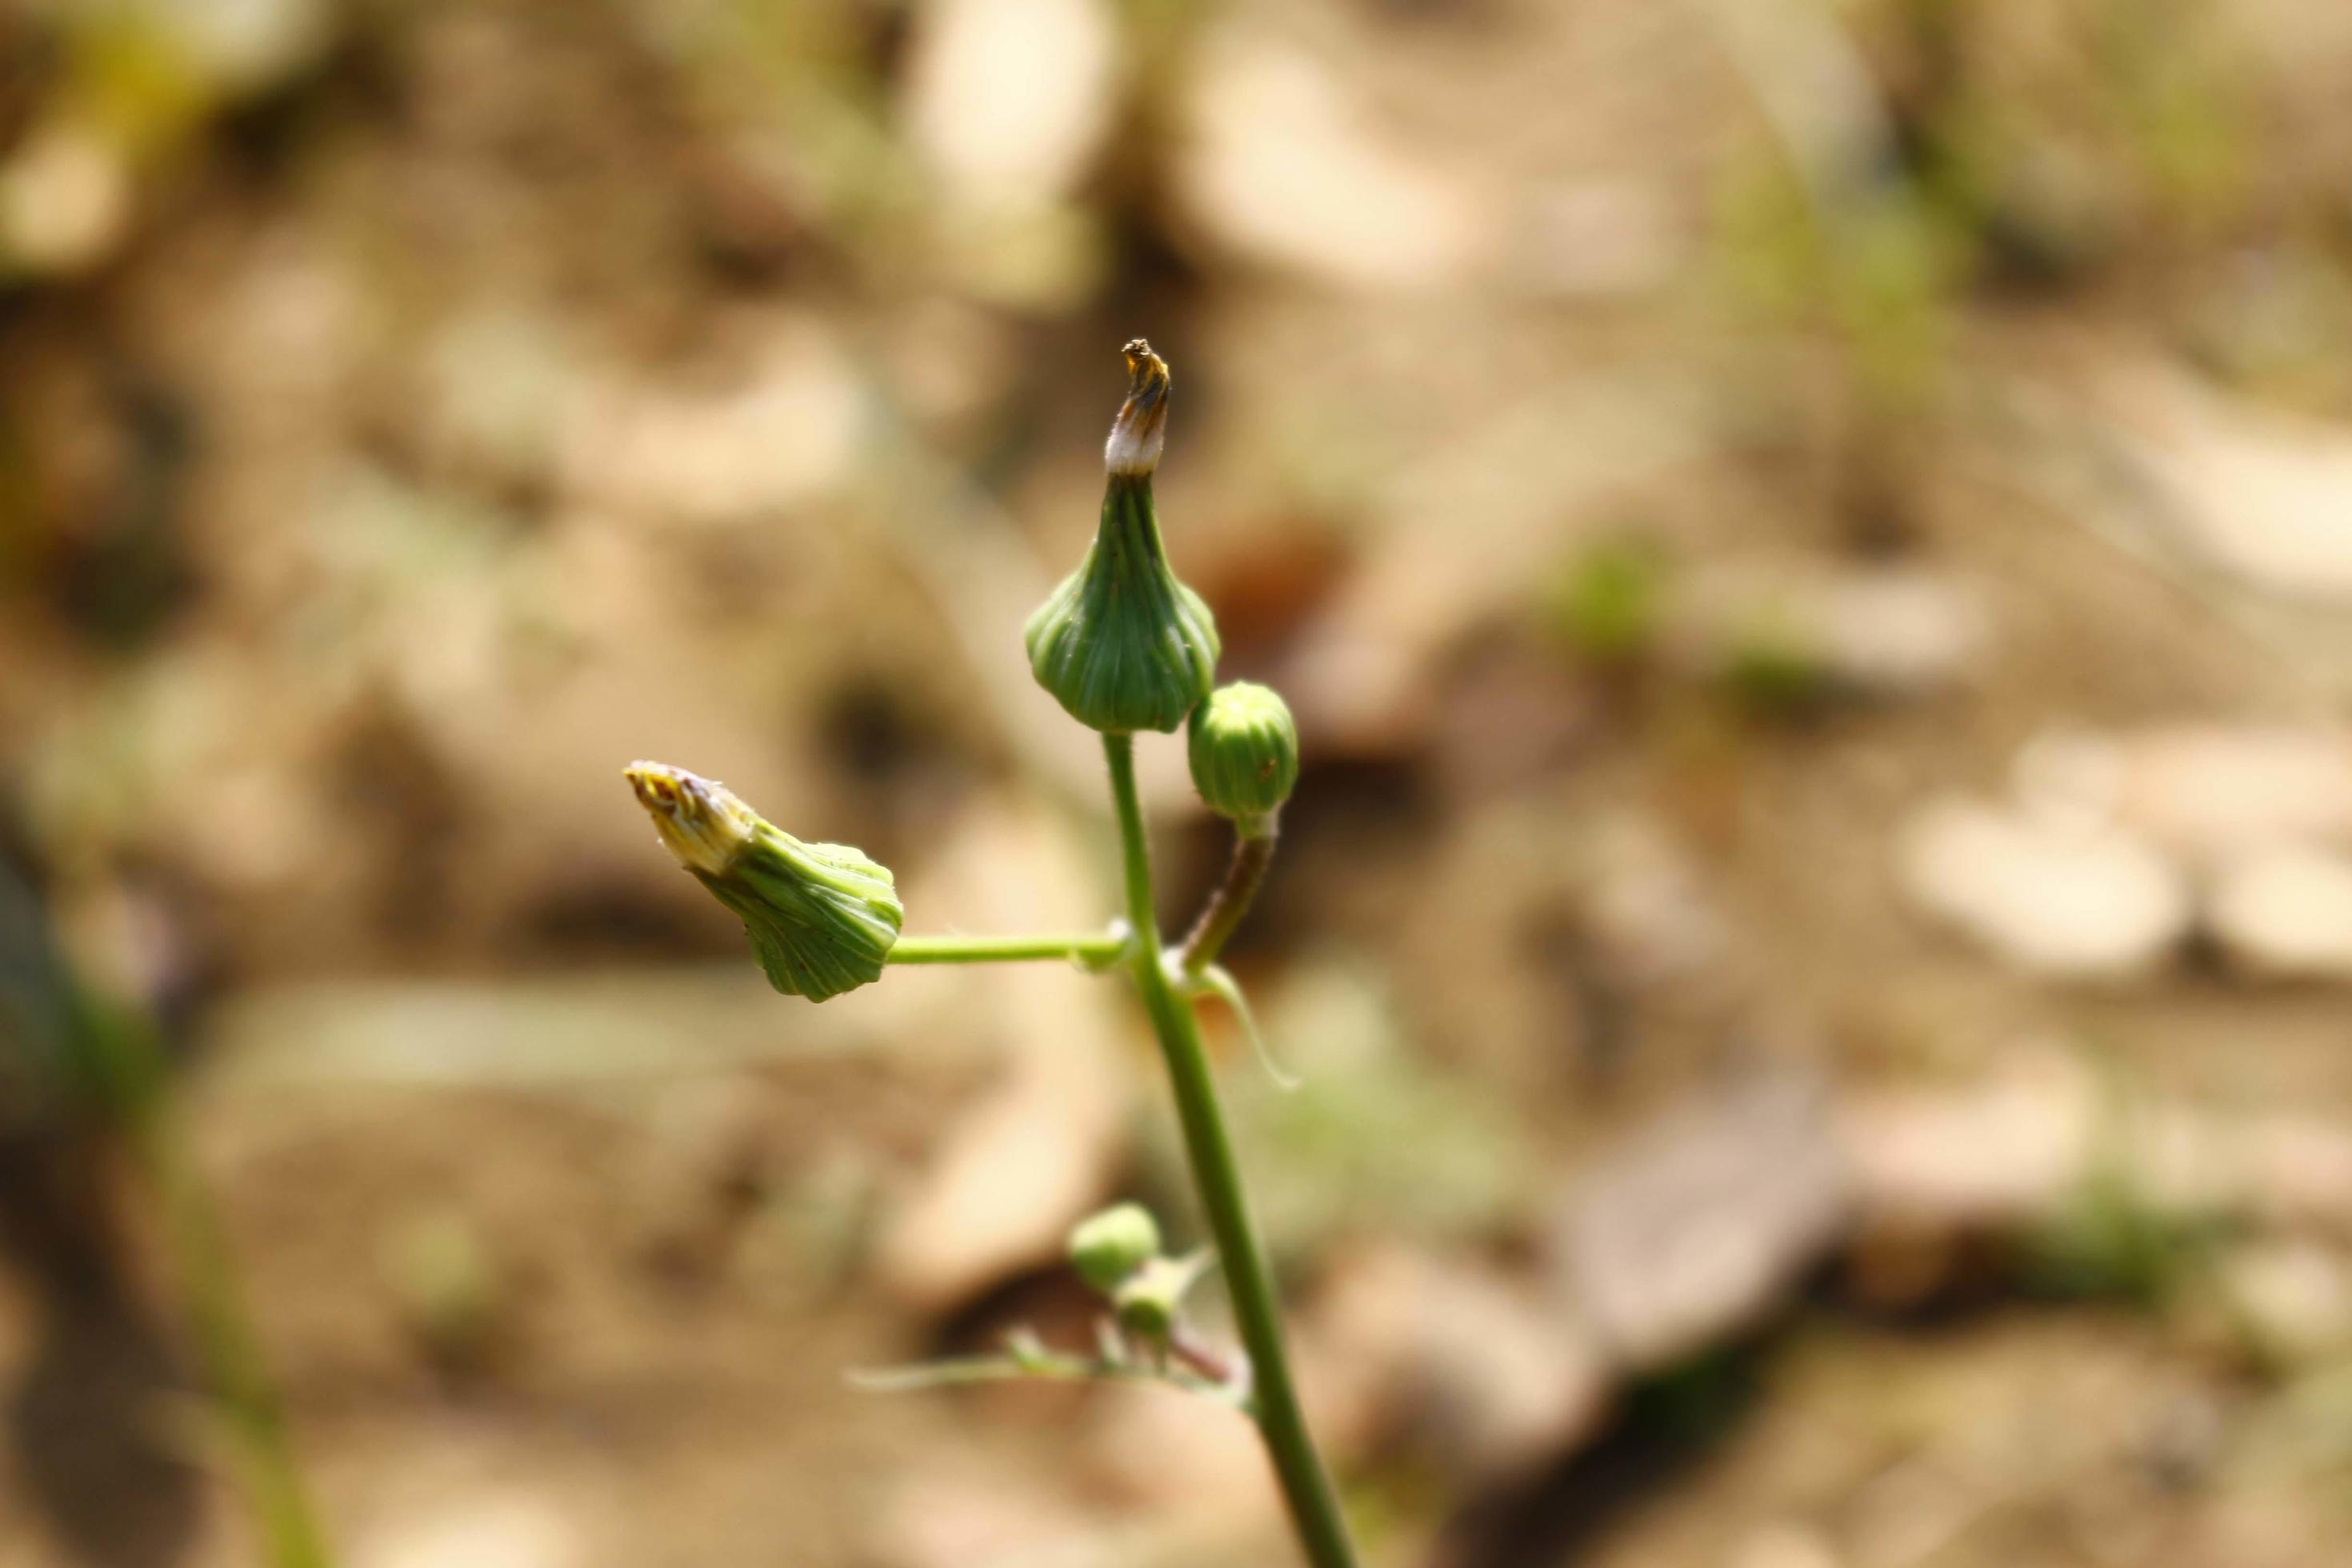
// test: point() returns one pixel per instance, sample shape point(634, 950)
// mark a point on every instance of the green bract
point(822, 917)
point(1244, 749)
point(1108, 1246)
point(1121, 644)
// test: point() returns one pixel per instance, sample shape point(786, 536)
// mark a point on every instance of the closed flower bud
point(1150, 1301)
point(1244, 749)
point(1121, 644)
point(822, 917)
point(1107, 1247)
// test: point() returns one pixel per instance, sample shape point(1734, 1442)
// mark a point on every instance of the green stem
point(227, 1344)
point(1306, 1488)
point(1082, 947)
point(1232, 900)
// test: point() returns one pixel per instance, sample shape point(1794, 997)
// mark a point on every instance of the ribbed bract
point(822, 917)
point(1121, 644)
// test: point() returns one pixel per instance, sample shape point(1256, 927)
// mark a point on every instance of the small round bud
point(822, 917)
point(1150, 1302)
point(1244, 749)
point(1107, 1247)
point(1122, 643)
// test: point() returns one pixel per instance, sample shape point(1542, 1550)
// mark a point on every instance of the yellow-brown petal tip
point(698, 819)
point(1143, 366)
point(1133, 449)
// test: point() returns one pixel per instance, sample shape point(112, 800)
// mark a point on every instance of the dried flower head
point(1133, 449)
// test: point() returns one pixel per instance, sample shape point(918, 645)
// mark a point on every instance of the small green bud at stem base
point(1150, 1302)
point(1107, 1247)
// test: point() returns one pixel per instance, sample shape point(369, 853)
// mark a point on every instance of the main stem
point(1306, 1488)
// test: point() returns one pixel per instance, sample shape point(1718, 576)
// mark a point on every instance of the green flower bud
point(1105, 1248)
point(1150, 1301)
point(1121, 644)
point(1244, 749)
point(822, 917)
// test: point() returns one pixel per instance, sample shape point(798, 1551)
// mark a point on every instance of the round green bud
point(1105, 1248)
point(1244, 749)
point(822, 917)
point(1121, 644)
point(1150, 1302)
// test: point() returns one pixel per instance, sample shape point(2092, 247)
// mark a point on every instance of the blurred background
point(1812, 548)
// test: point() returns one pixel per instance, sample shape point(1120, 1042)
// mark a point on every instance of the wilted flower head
point(1121, 644)
point(822, 917)
point(1133, 449)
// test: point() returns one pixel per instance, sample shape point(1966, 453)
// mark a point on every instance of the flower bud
point(1107, 1247)
point(1244, 749)
point(1150, 1301)
point(822, 917)
point(1121, 644)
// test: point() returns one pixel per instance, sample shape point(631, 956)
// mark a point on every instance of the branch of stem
point(1028, 1362)
point(1244, 874)
point(1093, 949)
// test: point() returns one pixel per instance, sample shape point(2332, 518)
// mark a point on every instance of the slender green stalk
point(1274, 1405)
point(1082, 947)
point(227, 1345)
point(1243, 876)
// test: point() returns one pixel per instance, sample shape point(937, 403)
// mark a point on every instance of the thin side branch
point(1095, 950)
point(1033, 1363)
point(1244, 874)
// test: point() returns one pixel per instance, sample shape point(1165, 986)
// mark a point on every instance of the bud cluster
point(1124, 645)
point(1117, 1254)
